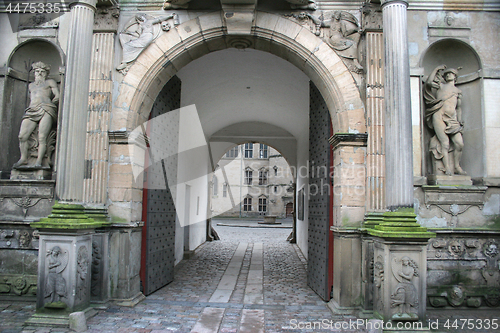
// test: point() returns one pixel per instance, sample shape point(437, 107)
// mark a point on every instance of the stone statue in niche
point(37, 136)
point(405, 296)
point(82, 264)
point(343, 36)
point(443, 115)
point(138, 34)
point(56, 284)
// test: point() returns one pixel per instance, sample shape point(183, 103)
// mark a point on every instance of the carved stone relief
point(15, 239)
point(404, 297)
point(38, 21)
point(19, 285)
point(95, 288)
point(378, 274)
point(456, 296)
point(176, 4)
point(490, 249)
point(82, 263)
point(302, 4)
point(55, 283)
point(452, 260)
point(372, 17)
point(340, 30)
point(106, 19)
point(139, 32)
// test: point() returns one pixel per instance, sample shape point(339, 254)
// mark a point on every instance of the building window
point(215, 185)
point(276, 189)
point(262, 177)
point(248, 177)
point(233, 152)
point(248, 150)
point(224, 190)
point(247, 204)
point(263, 205)
point(275, 170)
point(263, 151)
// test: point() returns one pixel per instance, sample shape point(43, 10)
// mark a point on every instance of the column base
point(130, 302)
point(55, 320)
point(342, 310)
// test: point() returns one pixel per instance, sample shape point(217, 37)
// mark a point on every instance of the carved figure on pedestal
point(96, 265)
point(138, 33)
point(40, 116)
point(405, 296)
point(56, 284)
point(82, 264)
point(444, 116)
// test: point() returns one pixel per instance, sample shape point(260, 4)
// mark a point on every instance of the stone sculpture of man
point(42, 111)
point(444, 116)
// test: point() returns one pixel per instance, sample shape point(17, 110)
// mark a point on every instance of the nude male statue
point(444, 116)
point(42, 111)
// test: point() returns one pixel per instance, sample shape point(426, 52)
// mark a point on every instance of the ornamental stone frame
point(164, 57)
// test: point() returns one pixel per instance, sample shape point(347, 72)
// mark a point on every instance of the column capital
point(89, 3)
point(383, 3)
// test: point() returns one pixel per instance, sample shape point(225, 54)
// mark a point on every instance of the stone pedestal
point(399, 279)
point(64, 276)
point(64, 265)
point(28, 173)
point(399, 267)
point(449, 180)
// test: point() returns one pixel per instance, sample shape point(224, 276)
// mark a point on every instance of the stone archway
point(195, 38)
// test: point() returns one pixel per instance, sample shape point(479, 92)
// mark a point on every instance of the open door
point(159, 214)
point(319, 196)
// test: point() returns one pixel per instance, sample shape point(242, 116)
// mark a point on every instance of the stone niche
point(463, 270)
point(455, 53)
point(16, 99)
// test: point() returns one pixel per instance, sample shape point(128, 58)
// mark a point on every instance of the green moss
point(67, 216)
point(493, 223)
point(400, 224)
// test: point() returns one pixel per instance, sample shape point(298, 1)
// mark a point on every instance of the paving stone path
point(251, 281)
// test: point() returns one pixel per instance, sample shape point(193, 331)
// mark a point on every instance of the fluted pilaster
point(73, 122)
point(96, 155)
point(375, 155)
point(398, 129)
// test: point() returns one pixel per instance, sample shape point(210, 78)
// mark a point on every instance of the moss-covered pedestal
point(64, 265)
point(399, 267)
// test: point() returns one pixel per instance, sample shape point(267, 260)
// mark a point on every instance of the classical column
point(398, 129)
point(73, 123)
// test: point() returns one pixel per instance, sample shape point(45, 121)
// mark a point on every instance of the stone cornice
point(348, 139)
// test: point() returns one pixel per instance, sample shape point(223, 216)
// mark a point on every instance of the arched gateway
point(336, 92)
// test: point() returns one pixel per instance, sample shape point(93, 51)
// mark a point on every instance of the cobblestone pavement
point(185, 305)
